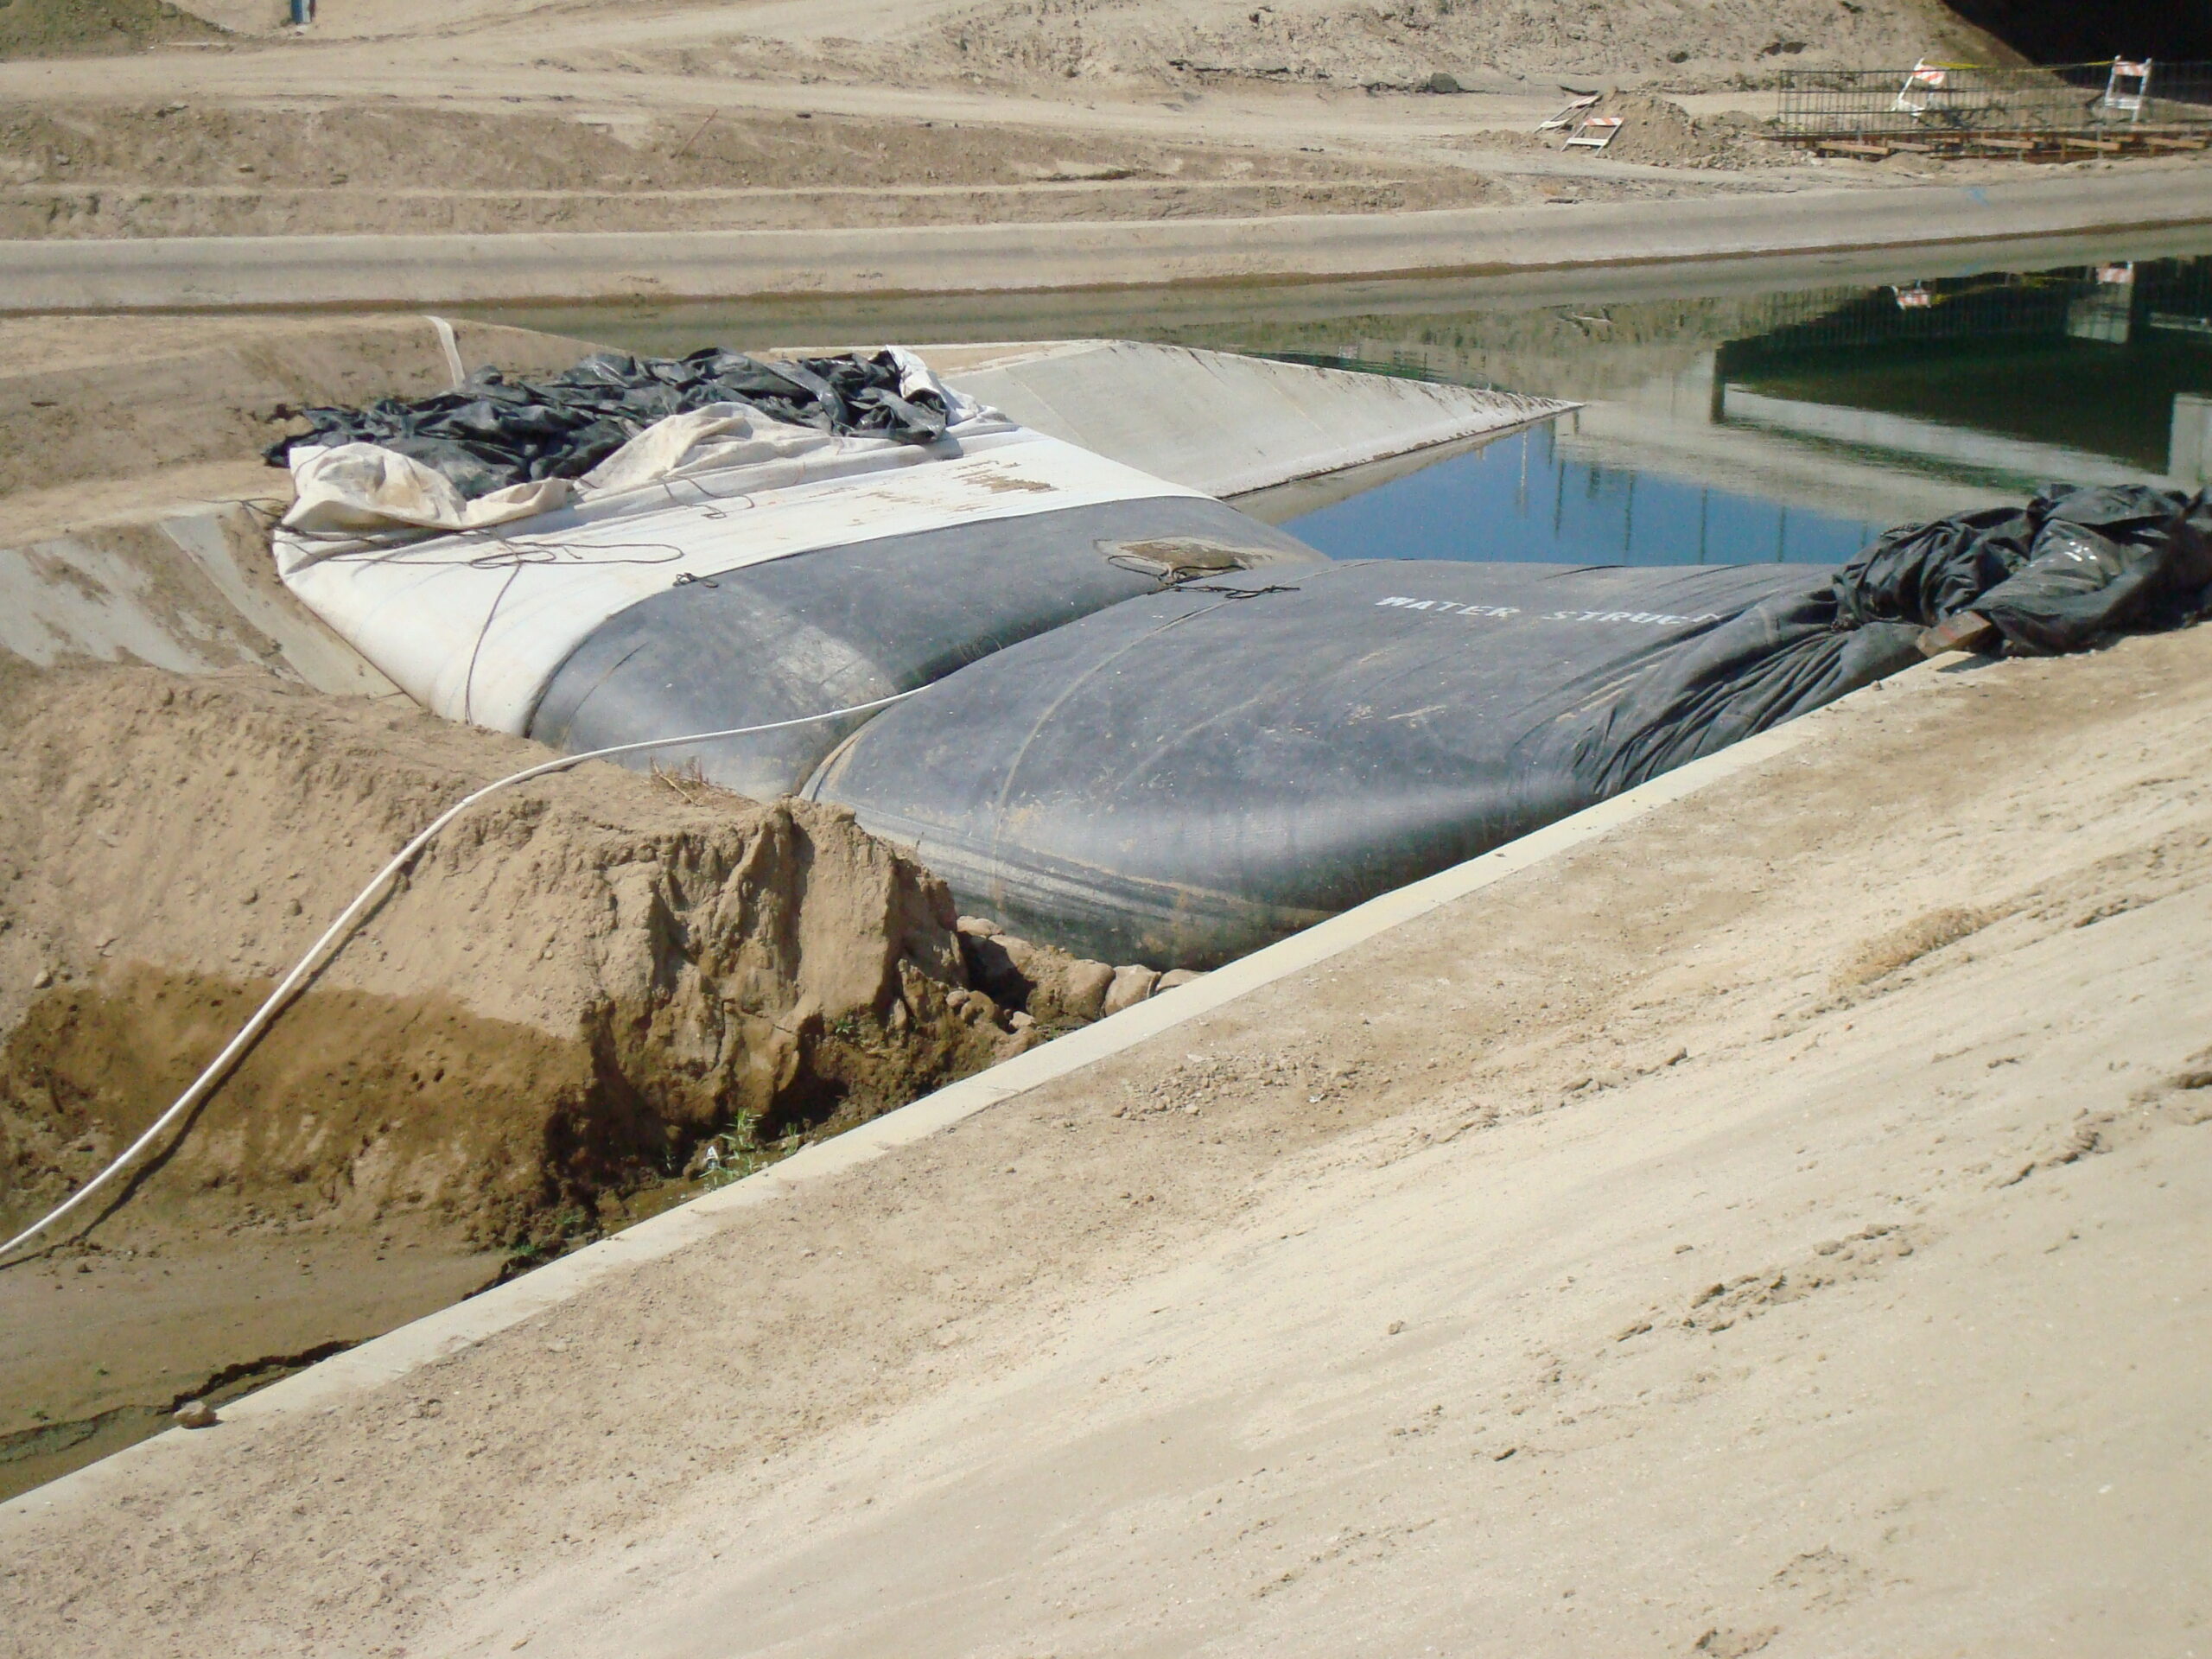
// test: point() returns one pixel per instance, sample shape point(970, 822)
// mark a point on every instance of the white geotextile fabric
point(360, 489)
point(474, 623)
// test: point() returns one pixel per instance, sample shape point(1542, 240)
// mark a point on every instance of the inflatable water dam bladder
point(1181, 779)
point(762, 554)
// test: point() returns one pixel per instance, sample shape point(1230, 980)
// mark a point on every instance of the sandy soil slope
point(130, 170)
point(1490, 45)
point(1486, 43)
point(53, 29)
point(391, 116)
point(1775, 1228)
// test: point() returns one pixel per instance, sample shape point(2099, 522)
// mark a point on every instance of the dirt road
point(1775, 1228)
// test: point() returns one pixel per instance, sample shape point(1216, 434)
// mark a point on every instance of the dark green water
point(1745, 411)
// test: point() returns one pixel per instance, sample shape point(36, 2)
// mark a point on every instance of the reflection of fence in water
point(2093, 303)
point(1932, 101)
point(1995, 305)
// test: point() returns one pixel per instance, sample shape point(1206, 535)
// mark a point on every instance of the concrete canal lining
point(1221, 423)
point(233, 272)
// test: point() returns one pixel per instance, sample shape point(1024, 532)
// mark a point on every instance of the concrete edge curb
point(452, 1330)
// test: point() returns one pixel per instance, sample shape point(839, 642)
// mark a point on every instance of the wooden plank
point(1965, 632)
point(1565, 118)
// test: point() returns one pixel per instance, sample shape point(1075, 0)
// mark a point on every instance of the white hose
point(335, 934)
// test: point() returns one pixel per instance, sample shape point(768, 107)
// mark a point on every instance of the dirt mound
point(73, 28)
point(1484, 45)
point(1659, 132)
point(580, 983)
point(1654, 132)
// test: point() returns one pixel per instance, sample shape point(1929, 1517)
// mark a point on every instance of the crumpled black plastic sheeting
point(491, 431)
point(2073, 567)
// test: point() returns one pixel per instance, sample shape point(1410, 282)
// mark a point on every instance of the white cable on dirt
point(336, 933)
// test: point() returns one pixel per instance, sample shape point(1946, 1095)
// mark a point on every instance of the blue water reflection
point(1518, 498)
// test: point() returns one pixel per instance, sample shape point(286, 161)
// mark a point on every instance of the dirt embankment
point(73, 29)
point(209, 169)
point(584, 981)
point(87, 402)
point(1479, 45)
point(596, 997)
point(1034, 45)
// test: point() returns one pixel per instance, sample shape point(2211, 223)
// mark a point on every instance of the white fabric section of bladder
point(365, 490)
point(360, 489)
point(473, 626)
point(717, 438)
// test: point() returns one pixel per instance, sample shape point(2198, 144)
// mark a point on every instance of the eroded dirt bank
point(597, 995)
point(1778, 1224)
point(576, 994)
point(582, 980)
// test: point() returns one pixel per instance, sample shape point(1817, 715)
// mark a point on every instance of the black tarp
point(491, 431)
point(2071, 568)
point(1180, 779)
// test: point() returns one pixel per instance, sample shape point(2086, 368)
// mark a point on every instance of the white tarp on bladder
point(364, 489)
point(472, 625)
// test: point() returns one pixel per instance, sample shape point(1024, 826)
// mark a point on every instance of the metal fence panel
point(2122, 102)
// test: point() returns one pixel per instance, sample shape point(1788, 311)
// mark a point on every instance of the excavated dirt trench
point(536, 1039)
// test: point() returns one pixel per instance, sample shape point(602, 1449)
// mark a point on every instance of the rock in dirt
point(1051, 987)
point(195, 1413)
point(1132, 984)
point(1083, 987)
point(1175, 976)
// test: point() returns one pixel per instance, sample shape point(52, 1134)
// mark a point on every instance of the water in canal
point(1731, 414)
